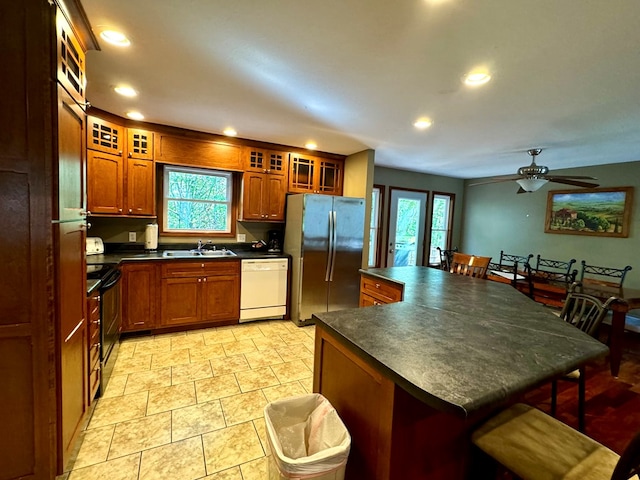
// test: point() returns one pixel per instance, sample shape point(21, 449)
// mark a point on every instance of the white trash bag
point(307, 438)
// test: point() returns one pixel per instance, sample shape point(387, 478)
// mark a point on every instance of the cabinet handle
point(96, 322)
point(85, 214)
point(377, 285)
point(138, 323)
point(375, 303)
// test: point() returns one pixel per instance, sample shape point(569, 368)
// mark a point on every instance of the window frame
point(375, 232)
point(232, 202)
point(449, 228)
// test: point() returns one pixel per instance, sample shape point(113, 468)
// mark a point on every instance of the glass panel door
point(406, 228)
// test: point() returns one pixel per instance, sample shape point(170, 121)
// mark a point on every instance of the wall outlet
point(132, 236)
point(241, 237)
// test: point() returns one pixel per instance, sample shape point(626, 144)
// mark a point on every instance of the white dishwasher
point(263, 289)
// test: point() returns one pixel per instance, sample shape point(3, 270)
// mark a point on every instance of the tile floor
point(189, 405)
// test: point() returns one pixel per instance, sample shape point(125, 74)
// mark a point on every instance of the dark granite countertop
point(138, 255)
point(462, 344)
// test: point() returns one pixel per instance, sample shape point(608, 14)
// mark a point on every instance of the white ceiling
point(356, 74)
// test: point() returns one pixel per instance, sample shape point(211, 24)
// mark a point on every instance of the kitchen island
point(411, 379)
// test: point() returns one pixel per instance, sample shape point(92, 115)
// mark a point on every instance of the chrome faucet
point(199, 247)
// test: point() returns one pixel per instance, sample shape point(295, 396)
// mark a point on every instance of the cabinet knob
point(202, 265)
point(377, 285)
point(119, 152)
point(199, 280)
point(204, 279)
point(130, 155)
point(130, 210)
point(120, 210)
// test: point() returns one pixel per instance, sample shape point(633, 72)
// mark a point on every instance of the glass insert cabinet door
point(406, 228)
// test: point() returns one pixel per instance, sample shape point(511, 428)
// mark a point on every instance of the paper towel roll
point(151, 236)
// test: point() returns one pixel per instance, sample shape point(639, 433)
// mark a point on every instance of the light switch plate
point(132, 236)
point(241, 237)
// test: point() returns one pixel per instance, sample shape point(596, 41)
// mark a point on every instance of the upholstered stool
point(535, 446)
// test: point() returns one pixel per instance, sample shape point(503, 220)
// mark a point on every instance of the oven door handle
point(113, 279)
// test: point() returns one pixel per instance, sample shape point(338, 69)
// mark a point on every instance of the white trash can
point(307, 439)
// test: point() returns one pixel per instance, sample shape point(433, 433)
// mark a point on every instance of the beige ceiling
point(355, 74)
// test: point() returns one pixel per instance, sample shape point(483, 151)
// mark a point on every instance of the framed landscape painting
point(602, 212)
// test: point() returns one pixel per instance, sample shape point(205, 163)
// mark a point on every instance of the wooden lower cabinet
point(200, 292)
point(139, 298)
point(93, 310)
point(375, 291)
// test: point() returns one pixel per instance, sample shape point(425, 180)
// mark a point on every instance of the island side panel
point(394, 435)
point(364, 400)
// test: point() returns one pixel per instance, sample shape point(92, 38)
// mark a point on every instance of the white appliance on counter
point(94, 246)
point(263, 290)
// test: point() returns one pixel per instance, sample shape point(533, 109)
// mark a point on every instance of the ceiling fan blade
point(571, 177)
point(575, 183)
point(503, 178)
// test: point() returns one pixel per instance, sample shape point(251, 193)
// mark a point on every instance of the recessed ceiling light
point(230, 132)
point(311, 145)
point(476, 78)
point(126, 91)
point(135, 115)
point(423, 123)
point(115, 38)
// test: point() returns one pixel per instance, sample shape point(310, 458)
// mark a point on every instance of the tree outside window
point(197, 200)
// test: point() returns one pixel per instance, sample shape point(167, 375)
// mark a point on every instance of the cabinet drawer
point(368, 300)
point(383, 291)
point(94, 354)
point(200, 268)
point(94, 381)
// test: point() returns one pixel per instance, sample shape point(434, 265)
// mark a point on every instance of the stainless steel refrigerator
point(324, 235)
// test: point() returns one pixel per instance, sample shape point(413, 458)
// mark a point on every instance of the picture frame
point(600, 212)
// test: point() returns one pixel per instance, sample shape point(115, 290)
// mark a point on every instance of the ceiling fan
point(534, 176)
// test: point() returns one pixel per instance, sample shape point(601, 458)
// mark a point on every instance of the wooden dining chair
point(586, 313)
point(469, 265)
point(534, 446)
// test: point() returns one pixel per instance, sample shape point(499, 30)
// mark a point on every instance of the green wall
point(390, 177)
point(496, 218)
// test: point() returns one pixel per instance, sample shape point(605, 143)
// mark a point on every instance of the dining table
point(412, 379)
point(626, 299)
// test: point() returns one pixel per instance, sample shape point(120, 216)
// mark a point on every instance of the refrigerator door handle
point(331, 247)
point(335, 243)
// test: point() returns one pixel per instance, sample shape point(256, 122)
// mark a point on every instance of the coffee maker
point(274, 244)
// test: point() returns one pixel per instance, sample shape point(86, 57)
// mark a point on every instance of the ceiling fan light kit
point(531, 184)
point(531, 178)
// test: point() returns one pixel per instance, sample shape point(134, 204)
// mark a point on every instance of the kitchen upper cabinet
point(309, 174)
point(117, 185)
point(140, 191)
point(139, 298)
point(195, 152)
point(266, 161)
point(71, 60)
point(263, 197)
point(105, 181)
point(200, 292)
point(264, 185)
point(104, 136)
point(139, 144)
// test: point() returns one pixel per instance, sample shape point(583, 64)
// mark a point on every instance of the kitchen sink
point(198, 253)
